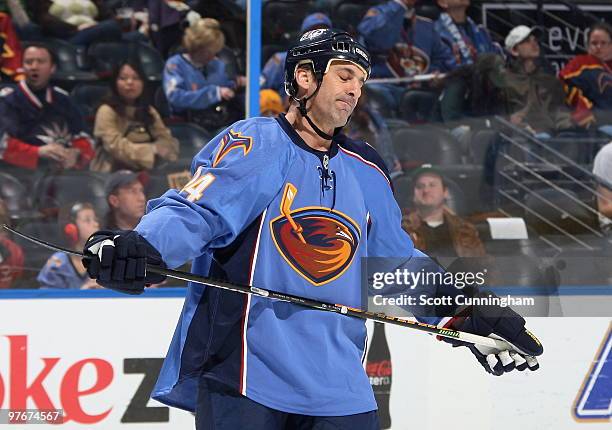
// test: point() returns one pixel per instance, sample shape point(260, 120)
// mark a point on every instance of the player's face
point(429, 191)
point(529, 49)
point(600, 45)
point(129, 84)
point(87, 224)
point(38, 67)
point(130, 200)
point(339, 92)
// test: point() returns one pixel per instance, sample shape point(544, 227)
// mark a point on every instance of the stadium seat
point(348, 14)
point(107, 55)
point(151, 61)
point(191, 139)
point(55, 191)
point(88, 96)
point(36, 256)
point(284, 19)
point(421, 145)
point(428, 10)
point(232, 62)
point(15, 195)
point(68, 72)
point(404, 190)
point(269, 50)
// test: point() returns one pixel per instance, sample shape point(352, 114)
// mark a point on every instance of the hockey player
point(288, 203)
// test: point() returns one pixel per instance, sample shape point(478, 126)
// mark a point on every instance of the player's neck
point(301, 126)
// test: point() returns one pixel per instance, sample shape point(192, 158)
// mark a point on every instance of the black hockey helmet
point(318, 48)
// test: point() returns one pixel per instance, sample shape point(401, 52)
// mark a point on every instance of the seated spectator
point(67, 271)
point(81, 22)
point(11, 254)
point(273, 73)
point(474, 90)
point(270, 103)
point(131, 133)
point(195, 82)
point(588, 80)
point(39, 121)
point(433, 228)
point(535, 98)
point(126, 200)
point(367, 124)
point(404, 45)
point(11, 60)
point(466, 38)
point(602, 169)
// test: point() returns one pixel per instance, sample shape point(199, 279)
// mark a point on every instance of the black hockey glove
point(118, 260)
point(500, 323)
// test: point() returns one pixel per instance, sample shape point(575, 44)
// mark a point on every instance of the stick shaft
point(297, 300)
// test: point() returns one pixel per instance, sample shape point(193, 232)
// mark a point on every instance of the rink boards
point(95, 356)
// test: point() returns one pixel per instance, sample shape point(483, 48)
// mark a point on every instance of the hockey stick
point(302, 301)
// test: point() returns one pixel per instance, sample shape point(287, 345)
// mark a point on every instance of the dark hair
point(142, 104)
point(603, 26)
point(41, 45)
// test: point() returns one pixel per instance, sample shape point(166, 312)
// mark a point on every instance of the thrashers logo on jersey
point(317, 243)
point(233, 140)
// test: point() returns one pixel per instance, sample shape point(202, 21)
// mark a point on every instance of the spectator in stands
point(11, 56)
point(474, 90)
point(588, 80)
point(124, 191)
point(81, 22)
point(367, 124)
point(602, 169)
point(11, 254)
point(273, 73)
point(67, 271)
point(459, 31)
point(404, 45)
point(432, 226)
point(535, 98)
point(196, 82)
point(270, 103)
point(38, 121)
point(130, 130)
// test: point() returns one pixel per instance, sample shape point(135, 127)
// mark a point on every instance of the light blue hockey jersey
point(265, 209)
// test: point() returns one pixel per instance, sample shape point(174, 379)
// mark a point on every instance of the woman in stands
point(196, 82)
point(131, 132)
point(62, 270)
point(588, 80)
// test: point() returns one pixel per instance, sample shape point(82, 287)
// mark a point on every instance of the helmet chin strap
point(304, 112)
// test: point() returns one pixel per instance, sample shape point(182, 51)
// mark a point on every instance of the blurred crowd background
point(494, 120)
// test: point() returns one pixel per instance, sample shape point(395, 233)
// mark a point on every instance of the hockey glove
point(499, 323)
point(118, 260)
